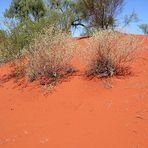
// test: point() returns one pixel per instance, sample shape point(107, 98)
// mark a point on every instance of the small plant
point(110, 53)
point(19, 71)
point(49, 55)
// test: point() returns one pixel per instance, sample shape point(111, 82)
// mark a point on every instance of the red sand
point(79, 114)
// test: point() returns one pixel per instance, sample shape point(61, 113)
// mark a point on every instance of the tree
point(144, 28)
point(99, 13)
point(64, 12)
point(128, 19)
point(68, 13)
point(22, 9)
point(3, 36)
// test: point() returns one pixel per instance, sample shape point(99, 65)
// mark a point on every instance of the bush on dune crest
point(110, 53)
point(50, 55)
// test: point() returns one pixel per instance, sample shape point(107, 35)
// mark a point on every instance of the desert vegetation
point(72, 74)
point(49, 55)
point(144, 28)
point(110, 53)
point(40, 31)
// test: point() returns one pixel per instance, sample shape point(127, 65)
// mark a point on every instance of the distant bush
point(19, 36)
point(50, 55)
point(110, 53)
point(3, 45)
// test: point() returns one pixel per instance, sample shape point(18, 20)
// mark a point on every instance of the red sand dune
point(79, 113)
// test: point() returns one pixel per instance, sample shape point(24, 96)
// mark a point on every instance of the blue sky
point(3, 5)
point(140, 7)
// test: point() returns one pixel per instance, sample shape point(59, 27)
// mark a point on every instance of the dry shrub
point(110, 53)
point(50, 55)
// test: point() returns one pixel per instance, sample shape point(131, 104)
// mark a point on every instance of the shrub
point(50, 55)
point(110, 53)
point(2, 43)
point(19, 36)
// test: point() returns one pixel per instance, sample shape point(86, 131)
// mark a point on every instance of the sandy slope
point(79, 114)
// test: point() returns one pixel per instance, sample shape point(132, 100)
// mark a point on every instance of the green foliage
point(29, 21)
point(144, 28)
point(65, 12)
point(3, 45)
point(20, 36)
point(2, 37)
point(99, 14)
point(22, 9)
point(31, 16)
